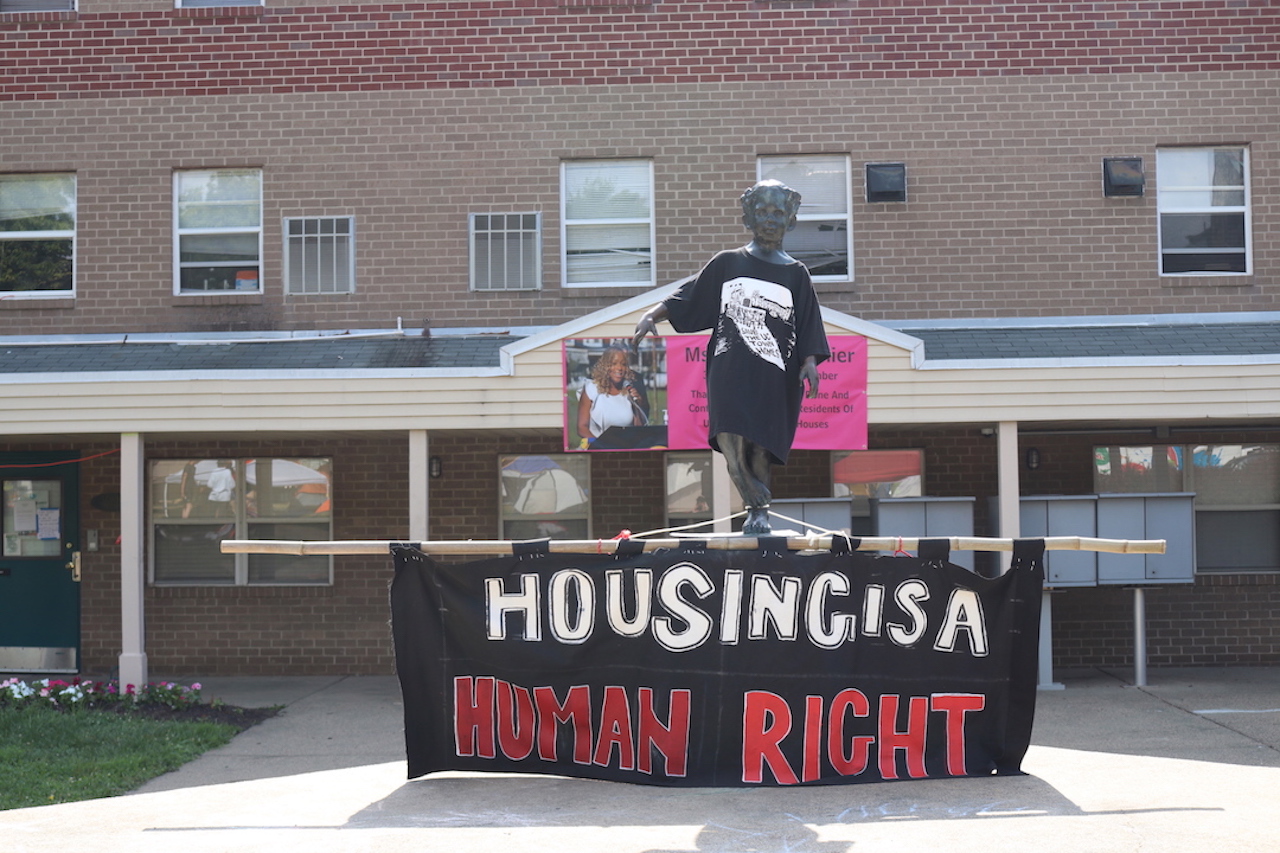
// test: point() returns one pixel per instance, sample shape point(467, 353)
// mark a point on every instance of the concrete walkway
point(1189, 763)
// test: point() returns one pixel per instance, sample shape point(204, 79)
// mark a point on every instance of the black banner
point(721, 668)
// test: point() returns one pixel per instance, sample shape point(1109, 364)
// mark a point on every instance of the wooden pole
point(735, 543)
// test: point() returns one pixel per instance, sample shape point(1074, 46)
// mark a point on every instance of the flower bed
point(67, 695)
point(162, 700)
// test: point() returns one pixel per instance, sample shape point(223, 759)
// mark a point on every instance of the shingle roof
point(1108, 340)
point(983, 340)
point(331, 353)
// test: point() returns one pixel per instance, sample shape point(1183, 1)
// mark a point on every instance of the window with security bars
point(506, 251)
point(319, 255)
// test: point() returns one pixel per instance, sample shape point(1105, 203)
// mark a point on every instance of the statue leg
point(750, 469)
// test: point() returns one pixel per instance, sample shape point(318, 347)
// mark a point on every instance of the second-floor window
point(218, 230)
point(822, 238)
point(37, 234)
point(506, 251)
point(1203, 197)
point(607, 223)
point(319, 254)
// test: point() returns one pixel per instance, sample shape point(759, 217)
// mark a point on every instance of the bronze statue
point(766, 343)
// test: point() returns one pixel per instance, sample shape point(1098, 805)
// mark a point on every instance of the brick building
point(223, 227)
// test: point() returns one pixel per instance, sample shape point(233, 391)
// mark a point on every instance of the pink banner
point(834, 420)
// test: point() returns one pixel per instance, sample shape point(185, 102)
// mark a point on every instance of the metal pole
point(1139, 637)
point(1046, 681)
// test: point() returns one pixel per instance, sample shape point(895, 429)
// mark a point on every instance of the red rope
point(63, 461)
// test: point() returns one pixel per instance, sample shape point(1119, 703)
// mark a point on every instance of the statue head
point(782, 195)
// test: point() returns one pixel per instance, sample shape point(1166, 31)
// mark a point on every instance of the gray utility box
point(925, 518)
point(1063, 515)
point(1171, 517)
point(1167, 516)
point(820, 514)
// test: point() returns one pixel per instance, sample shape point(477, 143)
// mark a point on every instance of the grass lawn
point(48, 756)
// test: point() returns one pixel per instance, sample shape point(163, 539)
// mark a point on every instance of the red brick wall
point(258, 630)
point(1220, 620)
point(464, 45)
point(411, 117)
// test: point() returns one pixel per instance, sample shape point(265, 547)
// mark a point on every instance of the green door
point(40, 563)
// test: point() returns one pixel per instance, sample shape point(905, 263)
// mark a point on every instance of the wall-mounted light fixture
point(886, 182)
point(435, 467)
point(1122, 176)
point(1033, 458)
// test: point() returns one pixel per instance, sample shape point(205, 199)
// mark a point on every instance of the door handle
point(74, 566)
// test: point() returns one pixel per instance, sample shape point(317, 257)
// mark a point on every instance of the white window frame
point(56, 234)
point(704, 459)
point(325, 248)
point(566, 224)
point(180, 232)
point(580, 512)
point(520, 232)
point(18, 7)
point(241, 519)
point(774, 165)
point(1165, 205)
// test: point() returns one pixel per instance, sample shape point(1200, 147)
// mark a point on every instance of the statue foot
point(757, 522)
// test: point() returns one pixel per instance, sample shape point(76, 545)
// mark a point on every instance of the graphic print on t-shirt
point(746, 304)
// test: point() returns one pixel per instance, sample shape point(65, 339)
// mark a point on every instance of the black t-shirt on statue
point(766, 321)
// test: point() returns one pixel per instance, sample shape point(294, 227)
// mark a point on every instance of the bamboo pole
point(475, 547)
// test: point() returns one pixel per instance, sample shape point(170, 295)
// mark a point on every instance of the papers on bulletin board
point(48, 524)
point(24, 516)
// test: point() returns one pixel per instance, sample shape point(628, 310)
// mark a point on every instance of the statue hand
point(809, 374)
point(644, 327)
point(648, 324)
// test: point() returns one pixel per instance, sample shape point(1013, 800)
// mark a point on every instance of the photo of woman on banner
point(766, 344)
point(610, 400)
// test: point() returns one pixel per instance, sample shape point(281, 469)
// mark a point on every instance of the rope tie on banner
point(531, 549)
point(935, 552)
point(898, 551)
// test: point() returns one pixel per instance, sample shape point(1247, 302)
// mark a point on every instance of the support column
point(1007, 486)
point(133, 570)
point(419, 484)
